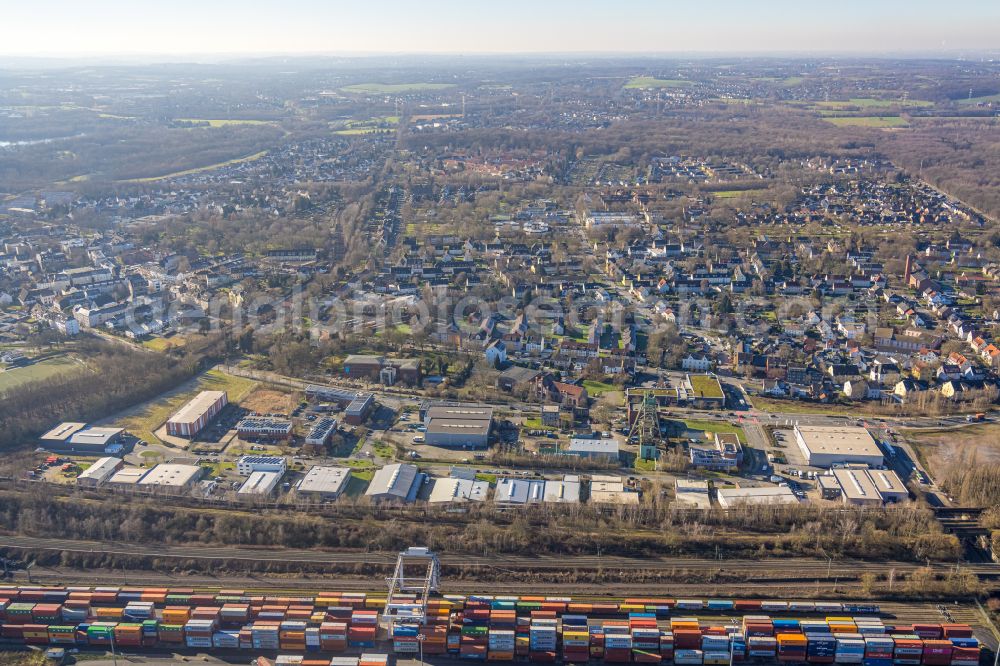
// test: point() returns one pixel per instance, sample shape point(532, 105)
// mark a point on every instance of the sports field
point(49, 367)
point(640, 82)
point(869, 121)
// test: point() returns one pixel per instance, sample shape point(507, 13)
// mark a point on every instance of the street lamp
point(114, 656)
point(420, 644)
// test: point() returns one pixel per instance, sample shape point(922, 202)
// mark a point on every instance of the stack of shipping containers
point(575, 639)
point(478, 628)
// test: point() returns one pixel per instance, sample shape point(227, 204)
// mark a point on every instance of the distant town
point(723, 322)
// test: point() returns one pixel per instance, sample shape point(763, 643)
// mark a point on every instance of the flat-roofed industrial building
point(58, 437)
point(99, 472)
point(869, 487)
point(126, 478)
point(79, 438)
point(357, 410)
point(247, 465)
point(518, 492)
point(731, 497)
point(607, 489)
point(692, 493)
point(399, 482)
point(826, 446)
point(170, 478)
point(196, 413)
point(324, 483)
point(829, 487)
point(857, 488)
point(889, 485)
point(449, 489)
point(264, 429)
point(259, 484)
point(581, 447)
point(566, 491)
point(322, 432)
point(458, 426)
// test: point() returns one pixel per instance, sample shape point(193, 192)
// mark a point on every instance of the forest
point(117, 376)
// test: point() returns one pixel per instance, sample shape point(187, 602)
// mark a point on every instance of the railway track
point(797, 569)
point(302, 585)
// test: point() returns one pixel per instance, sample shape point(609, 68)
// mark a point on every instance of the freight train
point(479, 628)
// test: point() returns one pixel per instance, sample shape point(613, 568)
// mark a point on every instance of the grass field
point(268, 401)
point(222, 122)
point(595, 388)
point(50, 367)
point(733, 194)
point(797, 407)
point(392, 88)
point(868, 121)
point(941, 447)
point(356, 127)
point(641, 465)
point(640, 82)
point(433, 116)
point(188, 172)
point(981, 100)
point(872, 103)
point(163, 344)
point(141, 421)
point(714, 427)
point(356, 131)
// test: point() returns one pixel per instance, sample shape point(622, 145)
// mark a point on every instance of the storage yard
point(350, 628)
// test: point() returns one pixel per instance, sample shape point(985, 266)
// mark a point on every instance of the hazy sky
point(477, 26)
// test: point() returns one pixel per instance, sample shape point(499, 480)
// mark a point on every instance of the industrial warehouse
point(79, 438)
point(826, 446)
point(458, 426)
point(324, 483)
point(190, 419)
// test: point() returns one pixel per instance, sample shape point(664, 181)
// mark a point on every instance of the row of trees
point(652, 528)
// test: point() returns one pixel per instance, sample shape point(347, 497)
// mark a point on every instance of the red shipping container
point(617, 655)
point(541, 656)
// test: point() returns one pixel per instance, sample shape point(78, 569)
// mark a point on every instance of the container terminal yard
point(412, 620)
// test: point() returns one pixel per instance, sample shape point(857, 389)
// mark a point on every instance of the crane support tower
point(417, 573)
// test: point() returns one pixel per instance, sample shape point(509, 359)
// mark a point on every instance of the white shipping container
point(688, 657)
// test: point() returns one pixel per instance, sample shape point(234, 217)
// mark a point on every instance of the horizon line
point(951, 53)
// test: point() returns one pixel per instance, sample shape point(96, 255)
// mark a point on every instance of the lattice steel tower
point(646, 427)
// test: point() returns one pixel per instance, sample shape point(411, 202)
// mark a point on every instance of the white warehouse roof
point(171, 475)
point(458, 490)
point(827, 445)
point(260, 483)
point(730, 497)
point(326, 480)
point(399, 481)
